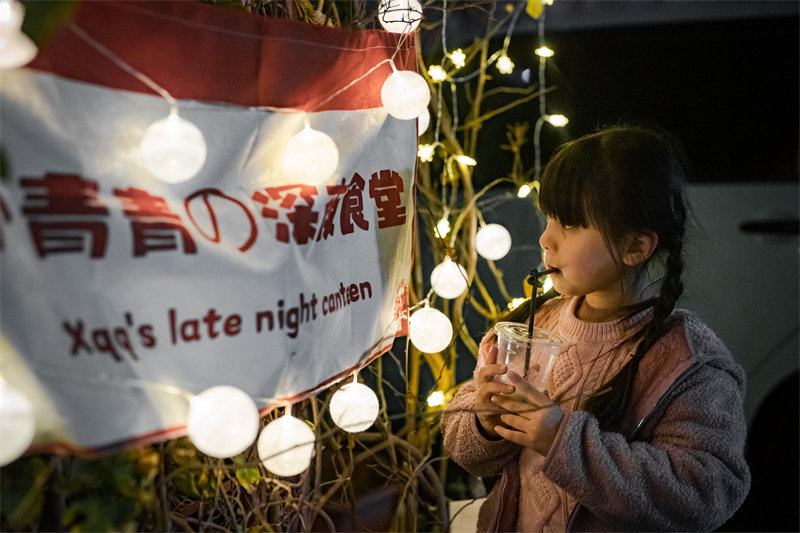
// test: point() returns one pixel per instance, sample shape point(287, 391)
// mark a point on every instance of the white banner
point(119, 290)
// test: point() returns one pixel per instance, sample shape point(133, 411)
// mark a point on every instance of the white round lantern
point(286, 446)
point(430, 330)
point(16, 50)
point(448, 279)
point(399, 16)
point(354, 407)
point(223, 421)
point(17, 424)
point(173, 149)
point(493, 241)
point(311, 157)
point(423, 121)
point(405, 94)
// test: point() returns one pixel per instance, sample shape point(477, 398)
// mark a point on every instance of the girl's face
point(585, 265)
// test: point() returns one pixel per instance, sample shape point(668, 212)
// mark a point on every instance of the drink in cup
point(512, 344)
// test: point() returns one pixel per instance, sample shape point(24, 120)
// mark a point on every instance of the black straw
point(535, 283)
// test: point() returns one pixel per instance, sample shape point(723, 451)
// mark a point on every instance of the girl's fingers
point(534, 395)
point(490, 371)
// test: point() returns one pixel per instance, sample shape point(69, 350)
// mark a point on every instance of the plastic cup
point(512, 344)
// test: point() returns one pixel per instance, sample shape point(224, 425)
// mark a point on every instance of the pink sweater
point(674, 463)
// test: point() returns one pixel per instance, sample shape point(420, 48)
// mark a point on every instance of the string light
point(436, 399)
point(429, 330)
point(173, 149)
point(437, 73)
point(515, 302)
point(16, 48)
point(223, 421)
point(524, 190)
point(17, 423)
point(559, 121)
point(425, 152)
point(399, 16)
point(286, 445)
point(311, 157)
point(458, 58)
point(405, 94)
point(449, 279)
point(548, 284)
point(493, 241)
point(465, 160)
point(354, 407)
point(544, 51)
point(504, 64)
point(443, 226)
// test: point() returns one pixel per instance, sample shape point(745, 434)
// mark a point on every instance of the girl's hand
point(488, 413)
point(532, 422)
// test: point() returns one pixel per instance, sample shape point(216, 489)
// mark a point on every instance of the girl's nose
point(546, 241)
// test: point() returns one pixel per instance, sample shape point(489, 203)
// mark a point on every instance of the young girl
point(641, 425)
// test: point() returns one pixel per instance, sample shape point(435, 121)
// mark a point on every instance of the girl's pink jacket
point(675, 463)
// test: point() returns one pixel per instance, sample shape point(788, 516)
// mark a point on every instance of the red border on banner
point(198, 51)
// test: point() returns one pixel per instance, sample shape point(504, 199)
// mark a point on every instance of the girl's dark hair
point(623, 180)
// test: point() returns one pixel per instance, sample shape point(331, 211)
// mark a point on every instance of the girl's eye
point(568, 226)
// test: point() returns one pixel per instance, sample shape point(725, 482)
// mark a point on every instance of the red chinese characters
point(154, 225)
point(65, 215)
point(385, 188)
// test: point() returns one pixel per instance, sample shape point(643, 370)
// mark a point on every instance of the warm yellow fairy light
point(544, 51)
point(558, 121)
point(436, 399)
point(443, 227)
point(425, 152)
point(458, 57)
point(548, 284)
point(465, 160)
point(437, 73)
point(515, 302)
point(524, 191)
point(504, 64)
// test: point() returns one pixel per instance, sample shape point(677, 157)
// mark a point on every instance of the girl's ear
point(639, 248)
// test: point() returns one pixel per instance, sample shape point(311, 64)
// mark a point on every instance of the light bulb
point(11, 15)
point(311, 157)
point(17, 423)
point(493, 241)
point(423, 121)
point(544, 51)
point(465, 160)
point(436, 399)
point(458, 57)
point(223, 421)
point(425, 152)
point(354, 407)
point(429, 330)
point(505, 65)
point(399, 16)
point(16, 50)
point(548, 284)
point(437, 73)
point(286, 446)
point(443, 227)
point(405, 94)
point(515, 302)
point(524, 191)
point(448, 279)
point(558, 121)
point(173, 149)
